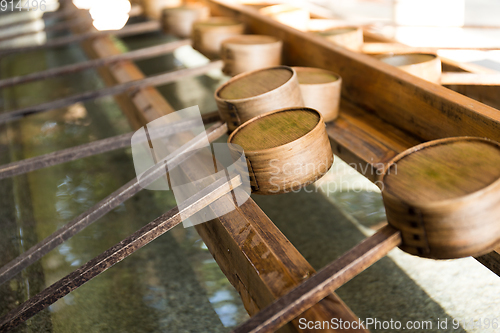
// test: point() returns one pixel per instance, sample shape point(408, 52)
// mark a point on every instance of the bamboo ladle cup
point(282, 142)
point(451, 191)
point(285, 149)
point(425, 66)
point(251, 94)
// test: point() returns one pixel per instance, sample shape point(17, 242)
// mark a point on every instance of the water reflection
point(168, 286)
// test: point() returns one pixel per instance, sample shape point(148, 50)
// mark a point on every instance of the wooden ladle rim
point(237, 77)
point(338, 79)
point(291, 143)
point(463, 198)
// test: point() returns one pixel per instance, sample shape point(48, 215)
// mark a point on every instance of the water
point(171, 285)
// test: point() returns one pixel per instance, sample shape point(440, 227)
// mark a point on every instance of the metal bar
point(117, 253)
point(55, 27)
point(106, 205)
point(288, 266)
point(133, 29)
point(144, 53)
point(155, 80)
point(85, 150)
point(322, 283)
point(48, 15)
point(136, 10)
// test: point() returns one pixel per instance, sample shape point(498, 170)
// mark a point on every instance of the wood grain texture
point(247, 53)
point(444, 196)
point(285, 149)
point(405, 101)
point(329, 278)
point(491, 261)
point(209, 34)
point(275, 129)
point(371, 85)
point(487, 94)
point(254, 93)
point(261, 263)
point(320, 90)
point(256, 83)
point(425, 66)
point(368, 143)
point(179, 21)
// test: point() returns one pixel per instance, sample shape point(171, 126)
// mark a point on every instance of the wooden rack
point(374, 125)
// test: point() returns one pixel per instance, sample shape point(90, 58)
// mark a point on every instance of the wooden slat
point(251, 251)
point(399, 98)
point(368, 143)
point(365, 141)
point(333, 276)
point(491, 261)
point(489, 95)
point(400, 103)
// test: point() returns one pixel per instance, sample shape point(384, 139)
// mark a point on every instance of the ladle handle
point(322, 283)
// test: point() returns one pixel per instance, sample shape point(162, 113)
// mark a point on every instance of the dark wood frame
point(383, 112)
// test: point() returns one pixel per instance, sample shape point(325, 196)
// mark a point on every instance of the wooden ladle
point(442, 200)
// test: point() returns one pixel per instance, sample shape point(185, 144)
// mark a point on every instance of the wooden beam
point(408, 102)
point(489, 95)
point(491, 261)
point(398, 102)
point(253, 254)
